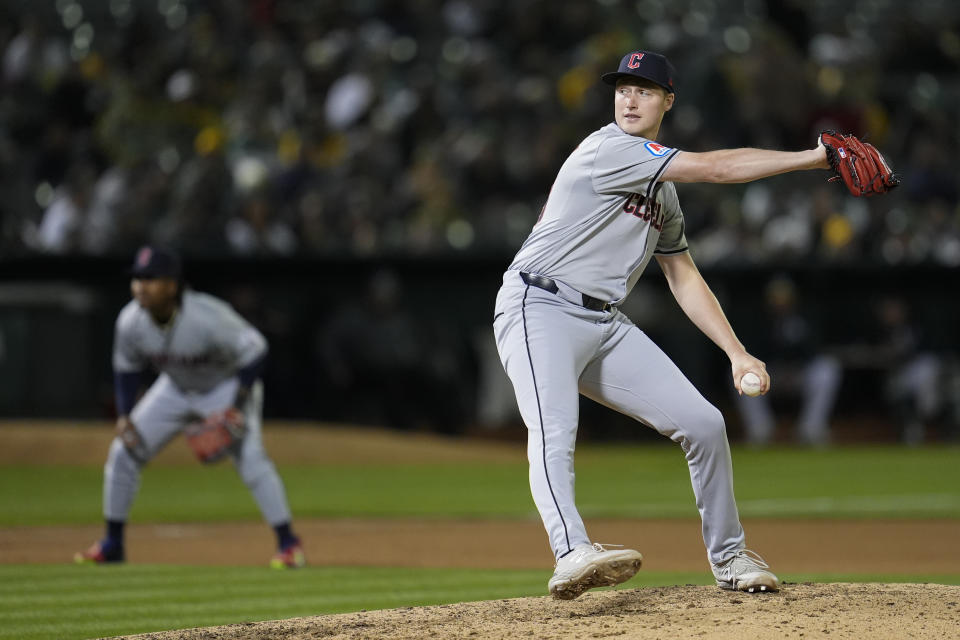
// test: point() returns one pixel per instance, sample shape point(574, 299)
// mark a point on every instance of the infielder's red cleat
point(102, 552)
point(289, 557)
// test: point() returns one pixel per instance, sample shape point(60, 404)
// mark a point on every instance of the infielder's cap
point(155, 262)
point(643, 64)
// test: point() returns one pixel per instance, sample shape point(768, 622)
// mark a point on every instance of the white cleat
point(745, 571)
point(591, 566)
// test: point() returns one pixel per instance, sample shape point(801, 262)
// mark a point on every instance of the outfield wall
point(56, 322)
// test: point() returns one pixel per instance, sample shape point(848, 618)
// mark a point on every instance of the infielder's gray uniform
point(558, 334)
point(197, 355)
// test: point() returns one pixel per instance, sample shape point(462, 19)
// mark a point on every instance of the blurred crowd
point(423, 127)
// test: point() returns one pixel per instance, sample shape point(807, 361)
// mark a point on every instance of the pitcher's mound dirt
point(874, 611)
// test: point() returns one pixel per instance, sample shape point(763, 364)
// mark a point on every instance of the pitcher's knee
point(707, 428)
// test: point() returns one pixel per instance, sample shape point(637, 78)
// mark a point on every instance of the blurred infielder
point(559, 331)
point(209, 361)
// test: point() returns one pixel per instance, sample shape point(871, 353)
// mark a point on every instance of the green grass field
point(648, 481)
point(66, 601)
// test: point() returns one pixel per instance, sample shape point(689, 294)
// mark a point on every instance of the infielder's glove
point(215, 436)
point(858, 164)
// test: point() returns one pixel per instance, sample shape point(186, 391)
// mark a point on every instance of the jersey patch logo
point(657, 150)
point(635, 59)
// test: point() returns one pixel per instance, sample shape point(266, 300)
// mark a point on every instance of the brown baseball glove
point(216, 435)
point(858, 164)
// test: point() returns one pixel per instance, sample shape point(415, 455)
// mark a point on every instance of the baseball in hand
point(751, 384)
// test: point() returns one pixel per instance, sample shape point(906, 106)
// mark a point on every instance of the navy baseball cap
point(155, 262)
point(643, 64)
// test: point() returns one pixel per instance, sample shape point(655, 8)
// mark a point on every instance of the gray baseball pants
point(161, 414)
point(553, 348)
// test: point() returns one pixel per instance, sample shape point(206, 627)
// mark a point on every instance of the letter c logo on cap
point(635, 59)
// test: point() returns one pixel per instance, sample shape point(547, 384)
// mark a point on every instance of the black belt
point(548, 284)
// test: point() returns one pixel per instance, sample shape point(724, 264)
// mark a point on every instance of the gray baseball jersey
point(198, 354)
point(606, 216)
point(205, 343)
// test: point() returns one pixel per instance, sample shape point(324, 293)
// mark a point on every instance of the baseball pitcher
point(209, 361)
point(558, 329)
